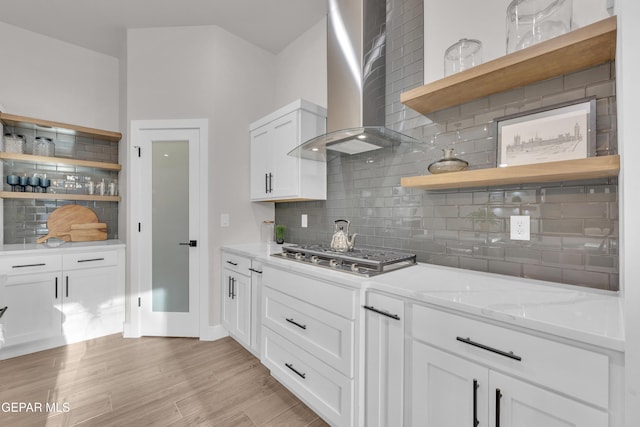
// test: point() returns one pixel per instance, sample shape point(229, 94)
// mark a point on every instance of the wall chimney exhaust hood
point(356, 80)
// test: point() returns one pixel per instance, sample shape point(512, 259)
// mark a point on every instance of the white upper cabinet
point(276, 176)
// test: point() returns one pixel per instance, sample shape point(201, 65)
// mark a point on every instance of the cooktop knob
point(315, 259)
point(333, 263)
point(299, 256)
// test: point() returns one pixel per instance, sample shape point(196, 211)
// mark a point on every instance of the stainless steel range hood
point(356, 72)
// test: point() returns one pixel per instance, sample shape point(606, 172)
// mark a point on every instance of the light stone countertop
point(582, 314)
point(59, 245)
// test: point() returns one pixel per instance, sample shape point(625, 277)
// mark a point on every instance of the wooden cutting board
point(60, 221)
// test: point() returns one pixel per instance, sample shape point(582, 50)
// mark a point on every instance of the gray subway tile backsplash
point(574, 225)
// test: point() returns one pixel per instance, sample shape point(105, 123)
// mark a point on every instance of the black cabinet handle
point(229, 286)
point(56, 288)
point(2, 310)
point(498, 397)
point(67, 286)
point(255, 271)
point(384, 313)
point(233, 288)
point(301, 374)
point(475, 403)
point(296, 323)
point(42, 264)
point(509, 354)
point(91, 260)
point(266, 183)
point(232, 263)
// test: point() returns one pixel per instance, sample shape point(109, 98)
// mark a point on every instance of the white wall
point(301, 68)
point(48, 79)
point(206, 72)
point(628, 93)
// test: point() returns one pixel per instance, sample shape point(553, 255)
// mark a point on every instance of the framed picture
point(560, 132)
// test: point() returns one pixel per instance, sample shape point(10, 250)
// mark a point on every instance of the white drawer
point(79, 261)
point(326, 335)
point(323, 294)
point(326, 391)
point(30, 264)
point(236, 263)
point(578, 372)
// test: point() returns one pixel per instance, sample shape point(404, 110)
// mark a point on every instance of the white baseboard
point(212, 333)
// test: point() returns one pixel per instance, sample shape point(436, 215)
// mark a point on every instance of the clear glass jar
point(14, 143)
point(464, 54)
point(43, 147)
point(267, 232)
point(533, 21)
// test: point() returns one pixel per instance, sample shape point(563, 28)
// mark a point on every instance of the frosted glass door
point(170, 219)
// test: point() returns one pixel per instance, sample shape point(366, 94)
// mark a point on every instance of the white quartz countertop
point(58, 245)
point(582, 314)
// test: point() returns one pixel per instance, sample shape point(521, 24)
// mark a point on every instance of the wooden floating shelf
point(59, 161)
point(57, 196)
point(46, 125)
point(567, 170)
point(579, 49)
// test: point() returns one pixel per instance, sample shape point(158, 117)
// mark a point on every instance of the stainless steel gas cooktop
point(361, 261)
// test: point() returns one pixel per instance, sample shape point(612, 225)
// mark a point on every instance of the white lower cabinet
point(91, 300)
point(61, 298)
point(470, 373)
point(384, 360)
point(310, 341)
point(30, 290)
point(236, 297)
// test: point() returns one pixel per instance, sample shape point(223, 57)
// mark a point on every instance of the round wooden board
point(61, 220)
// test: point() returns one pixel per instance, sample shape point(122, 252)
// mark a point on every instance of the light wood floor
point(113, 381)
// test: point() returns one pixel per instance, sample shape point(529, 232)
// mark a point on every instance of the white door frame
point(135, 241)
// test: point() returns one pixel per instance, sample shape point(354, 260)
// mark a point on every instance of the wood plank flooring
point(112, 381)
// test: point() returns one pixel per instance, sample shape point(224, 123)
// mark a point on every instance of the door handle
point(191, 243)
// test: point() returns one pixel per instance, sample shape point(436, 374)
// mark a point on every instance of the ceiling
point(100, 25)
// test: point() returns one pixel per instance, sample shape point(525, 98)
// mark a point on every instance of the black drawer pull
point(255, 271)
point(384, 313)
point(509, 354)
point(290, 366)
point(232, 263)
point(91, 260)
point(29, 265)
point(2, 310)
point(296, 323)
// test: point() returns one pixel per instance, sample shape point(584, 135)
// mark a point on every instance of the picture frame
point(559, 132)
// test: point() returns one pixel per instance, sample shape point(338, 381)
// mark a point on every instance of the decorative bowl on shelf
point(448, 163)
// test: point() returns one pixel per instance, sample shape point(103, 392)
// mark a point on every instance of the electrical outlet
point(304, 221)
point(520, 227)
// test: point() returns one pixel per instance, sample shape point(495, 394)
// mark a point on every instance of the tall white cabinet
point(276, 176)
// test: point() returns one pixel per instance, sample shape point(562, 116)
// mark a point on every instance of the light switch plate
point(304, 221)
point(224, 220)
point(520, 227)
